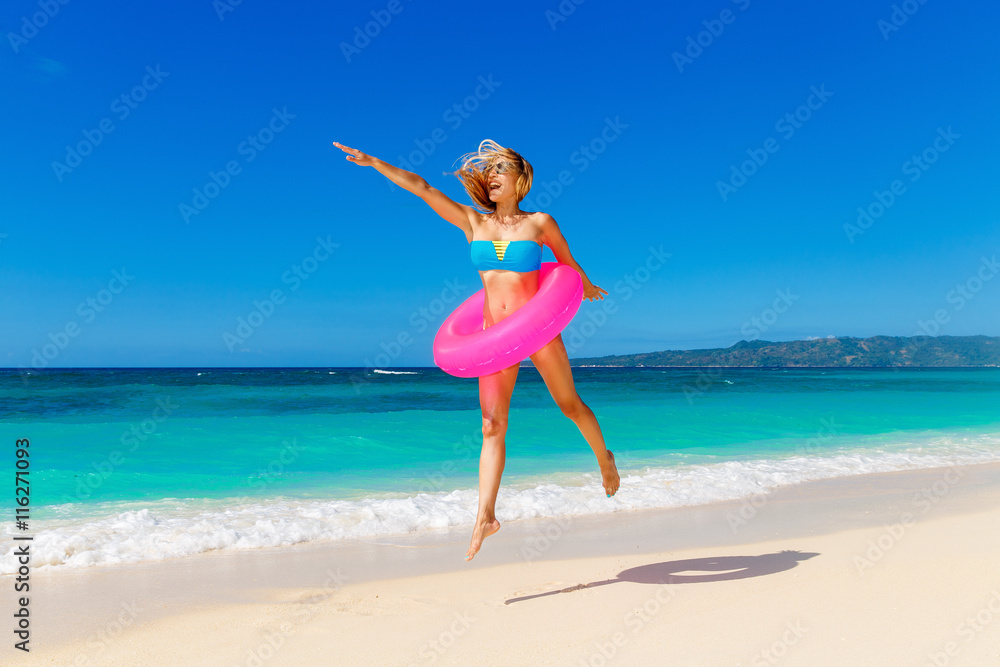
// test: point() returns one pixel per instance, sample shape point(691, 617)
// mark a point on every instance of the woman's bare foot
point(609, 475)
point(479, 533)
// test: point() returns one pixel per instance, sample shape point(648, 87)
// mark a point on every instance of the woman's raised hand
point(592, 291)
point(356, 156)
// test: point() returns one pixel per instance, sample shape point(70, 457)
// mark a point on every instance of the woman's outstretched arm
point(553, 238)
point(457, 214)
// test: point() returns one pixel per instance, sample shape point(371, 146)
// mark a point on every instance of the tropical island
point(832, 352)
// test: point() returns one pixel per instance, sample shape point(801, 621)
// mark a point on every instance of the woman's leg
point(494, 398)
point(552, 363)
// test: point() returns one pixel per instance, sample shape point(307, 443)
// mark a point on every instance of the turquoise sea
point(130, 465)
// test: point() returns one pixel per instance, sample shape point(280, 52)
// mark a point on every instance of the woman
point(497, 179)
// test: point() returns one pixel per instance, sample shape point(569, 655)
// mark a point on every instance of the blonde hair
point(476, 166)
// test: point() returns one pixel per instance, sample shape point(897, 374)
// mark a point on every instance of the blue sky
point(169, 171)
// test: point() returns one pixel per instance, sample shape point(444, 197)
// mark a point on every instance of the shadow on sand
point(723, 568)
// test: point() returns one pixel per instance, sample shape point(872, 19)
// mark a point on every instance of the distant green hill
point(878, 351)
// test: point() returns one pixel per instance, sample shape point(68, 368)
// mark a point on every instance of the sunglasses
point(502, 167)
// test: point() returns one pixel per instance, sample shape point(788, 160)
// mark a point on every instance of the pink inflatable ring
point(464, 349)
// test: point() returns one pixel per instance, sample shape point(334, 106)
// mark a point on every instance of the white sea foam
point(379, 370)
point(171, 528)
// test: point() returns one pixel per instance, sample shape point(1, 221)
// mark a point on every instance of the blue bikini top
point(520, 256)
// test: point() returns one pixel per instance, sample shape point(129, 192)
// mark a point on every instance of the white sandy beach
point(889, 569)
